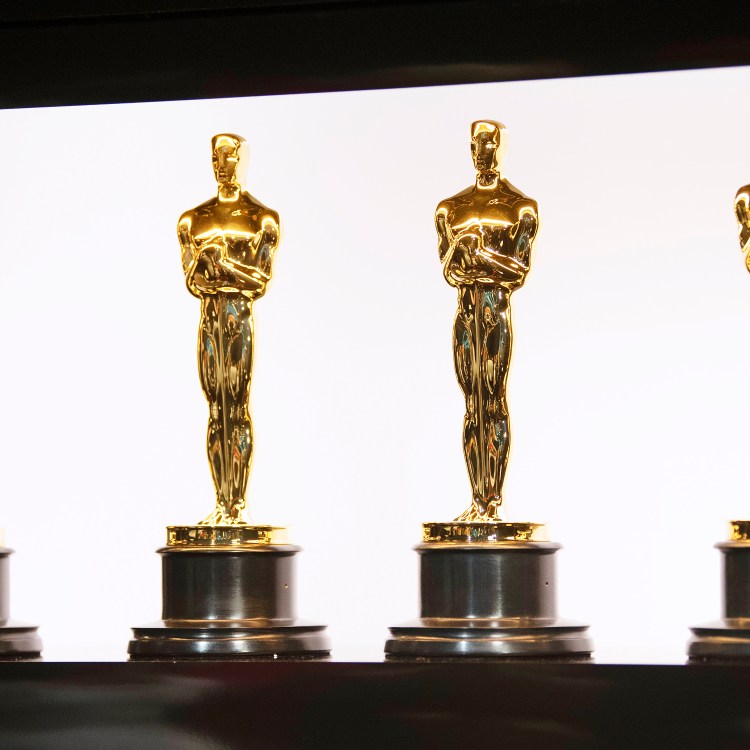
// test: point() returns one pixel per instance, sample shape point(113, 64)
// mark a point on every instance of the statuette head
point(229, 154)
point(489, 143)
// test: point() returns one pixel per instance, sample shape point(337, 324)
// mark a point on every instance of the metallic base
point(228, 603)
point(729, 637)
point(488, 638)
point(18, 640)
point(488, 600)
point(183, 639)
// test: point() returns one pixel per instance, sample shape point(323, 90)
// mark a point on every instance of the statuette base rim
point(191, 639)
point(240, 535)
point(546, 639)
point(19, 641)
point(728, 638)
point(483, 532)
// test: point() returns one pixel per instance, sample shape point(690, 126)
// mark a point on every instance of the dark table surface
point(372, 705)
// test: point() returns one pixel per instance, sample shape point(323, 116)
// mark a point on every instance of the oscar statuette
point(18, 640)
point(729, 637)
point(487, 584)
point(228, 585)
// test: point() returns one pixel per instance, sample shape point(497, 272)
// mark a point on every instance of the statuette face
point(228, 244)
point(485, 237)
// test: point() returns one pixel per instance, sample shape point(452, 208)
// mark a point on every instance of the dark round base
point(228, 603)
point(722, 640)
point(19, 642)
point(227, 640)
point(482, 638)
point(488, 600)
point(728, 639)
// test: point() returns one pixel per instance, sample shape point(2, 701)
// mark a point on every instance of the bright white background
point(628, 389)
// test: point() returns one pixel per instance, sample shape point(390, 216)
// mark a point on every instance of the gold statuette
point(487, 585)
point(728, 638)
point(742, 211)
point(739, 531)
point(228, 244)
point(227, 585)
point(486, 233)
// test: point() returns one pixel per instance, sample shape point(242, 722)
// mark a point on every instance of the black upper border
point(73, 52)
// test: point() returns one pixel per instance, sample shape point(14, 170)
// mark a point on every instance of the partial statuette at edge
point(728, 638)
point(19, 641)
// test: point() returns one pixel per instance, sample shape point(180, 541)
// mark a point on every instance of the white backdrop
point(628, 387)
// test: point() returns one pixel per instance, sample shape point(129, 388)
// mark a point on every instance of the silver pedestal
point(729, 637)
point(18, 640)
point(229, 604)
point(492, 599)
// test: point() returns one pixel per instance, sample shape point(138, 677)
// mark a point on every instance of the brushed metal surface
point(485, 582)
point(18, 640)
point(4, 584)
point(736, 581)
point(488, 600)
point(729, 637)
point(228, 604)
point(233, 585)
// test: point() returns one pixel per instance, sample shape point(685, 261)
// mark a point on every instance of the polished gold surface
point(485, 239)
point(234, 535)
point(742, 211)
point(739, 531)
point(228, 244)
point(476, 532)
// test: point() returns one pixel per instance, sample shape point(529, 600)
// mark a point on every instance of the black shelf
point(73, 52)
point(275, 706)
